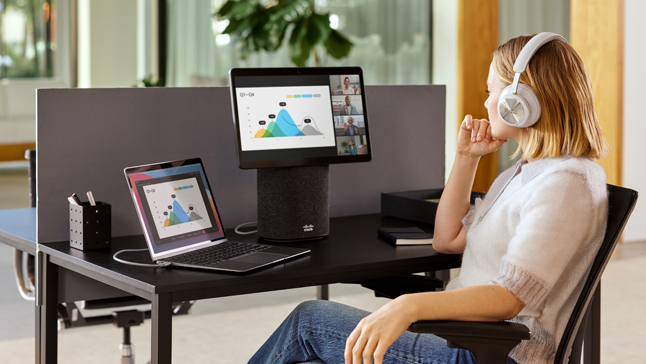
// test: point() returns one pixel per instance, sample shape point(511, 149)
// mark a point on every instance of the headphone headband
point(528, 52)
point(518, 104)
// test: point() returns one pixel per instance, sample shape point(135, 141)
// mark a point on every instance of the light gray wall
point(634, 173)
point(445, 70)
point(86, 137)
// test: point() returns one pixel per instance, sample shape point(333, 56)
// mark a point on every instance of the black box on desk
point(419, 206)
point(412, 205)
point(90, 226)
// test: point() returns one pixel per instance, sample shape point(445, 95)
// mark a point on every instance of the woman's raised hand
point(474, 138)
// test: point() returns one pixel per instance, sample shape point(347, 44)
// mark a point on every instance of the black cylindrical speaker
point(293, 203)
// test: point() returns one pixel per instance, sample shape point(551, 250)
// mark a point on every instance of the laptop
point(182, 225)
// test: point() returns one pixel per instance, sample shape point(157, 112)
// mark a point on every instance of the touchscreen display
point(177, 206)
point(292, 117)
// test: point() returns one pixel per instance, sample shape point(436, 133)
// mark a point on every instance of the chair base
point(127, 353)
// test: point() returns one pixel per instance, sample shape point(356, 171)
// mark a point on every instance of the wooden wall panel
point(477, 39)
point(14, 152)
point(596, 32)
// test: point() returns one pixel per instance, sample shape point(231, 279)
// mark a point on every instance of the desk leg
point(443, 275)
point(162, 328)
point(323, 292)
point(46, 311)
point(592, 339)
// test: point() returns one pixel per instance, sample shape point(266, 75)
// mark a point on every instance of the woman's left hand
point(376, 332)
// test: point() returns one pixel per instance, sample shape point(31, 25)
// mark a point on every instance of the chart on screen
point(285, 117)
point(177, 207)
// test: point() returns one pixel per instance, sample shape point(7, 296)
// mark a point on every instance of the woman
point(346, 87)
point(527, 246)
point(352, 148)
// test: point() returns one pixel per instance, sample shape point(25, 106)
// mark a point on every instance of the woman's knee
point(316, 308)
point(320, 313)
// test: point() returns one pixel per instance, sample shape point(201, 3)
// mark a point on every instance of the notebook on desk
point(181, 223)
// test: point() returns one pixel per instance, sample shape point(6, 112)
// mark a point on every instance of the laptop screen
point(175, 205)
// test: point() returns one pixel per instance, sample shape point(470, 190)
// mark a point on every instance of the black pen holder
point(90, 226)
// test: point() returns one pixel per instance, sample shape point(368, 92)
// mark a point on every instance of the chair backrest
point(621, 202)
point(30, 156)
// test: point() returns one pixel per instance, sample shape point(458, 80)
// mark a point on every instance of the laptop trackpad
point(261, 258)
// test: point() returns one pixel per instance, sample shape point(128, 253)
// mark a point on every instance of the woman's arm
point(376, 332)
point(450, 237)
point(489, 302)
point(474, 141)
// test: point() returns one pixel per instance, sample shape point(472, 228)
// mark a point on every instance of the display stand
point(293, 203)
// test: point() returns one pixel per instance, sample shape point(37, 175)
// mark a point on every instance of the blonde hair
point(568, 124)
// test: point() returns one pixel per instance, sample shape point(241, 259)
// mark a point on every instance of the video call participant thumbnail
point(349, 125)
point(347, 105)
point(345, 85)
point(350, 128)
point(350, 145)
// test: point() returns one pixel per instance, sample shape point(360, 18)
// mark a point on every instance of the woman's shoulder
point(584, 170)
point(585, 167)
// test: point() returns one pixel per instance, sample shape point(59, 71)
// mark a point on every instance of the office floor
point(229, 330)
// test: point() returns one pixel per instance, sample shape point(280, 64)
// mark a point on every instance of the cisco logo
point(307, 228)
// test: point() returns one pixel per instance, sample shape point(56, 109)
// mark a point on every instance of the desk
point(352, 252)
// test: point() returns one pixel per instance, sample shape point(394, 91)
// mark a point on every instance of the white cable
point(243, 225)
point(157, 265)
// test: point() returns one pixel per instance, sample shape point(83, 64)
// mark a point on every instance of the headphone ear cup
point(520, 110)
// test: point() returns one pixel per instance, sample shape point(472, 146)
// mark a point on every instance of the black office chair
point(491, 342)
point(69, 314)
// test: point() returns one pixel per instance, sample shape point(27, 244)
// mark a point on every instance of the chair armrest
point(494, 330)
point(490, 342)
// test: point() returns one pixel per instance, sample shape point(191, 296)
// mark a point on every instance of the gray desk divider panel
point(86, 137)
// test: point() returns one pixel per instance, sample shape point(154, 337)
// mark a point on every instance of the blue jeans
point(318, 330)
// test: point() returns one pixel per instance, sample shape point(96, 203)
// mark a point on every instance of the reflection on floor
point(229, 330)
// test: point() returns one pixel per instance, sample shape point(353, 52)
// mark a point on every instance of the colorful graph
point(178, 215)
point(284, 126)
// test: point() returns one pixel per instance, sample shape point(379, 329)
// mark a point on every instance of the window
point(392, 42)
point(27, 38)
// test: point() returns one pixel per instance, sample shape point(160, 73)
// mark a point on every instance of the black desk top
point(18, 229)
point(350, 253)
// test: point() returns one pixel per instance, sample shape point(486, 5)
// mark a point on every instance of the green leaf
point(258, 28)
point(225, 9)
point(337, 45)
point(291, 10)
point(246, 47)
point(148, 81)
point(240, 9)
point(299, 47)
point(257, 32)
point(319, 28)
point(276, 35)
point(234, 25)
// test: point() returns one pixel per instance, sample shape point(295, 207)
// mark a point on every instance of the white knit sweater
point(536, 233)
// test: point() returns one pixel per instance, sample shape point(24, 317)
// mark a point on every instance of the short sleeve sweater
point(536, 233)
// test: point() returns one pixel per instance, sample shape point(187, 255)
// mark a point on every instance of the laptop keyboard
point(217, 253)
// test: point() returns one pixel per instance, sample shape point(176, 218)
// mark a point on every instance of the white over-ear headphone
point(518, 105)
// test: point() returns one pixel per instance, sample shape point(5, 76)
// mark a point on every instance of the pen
point(75, 198)
point(72, 201)
point(91, 198)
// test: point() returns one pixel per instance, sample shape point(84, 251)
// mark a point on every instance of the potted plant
point(261, 27)
point(345, 146)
